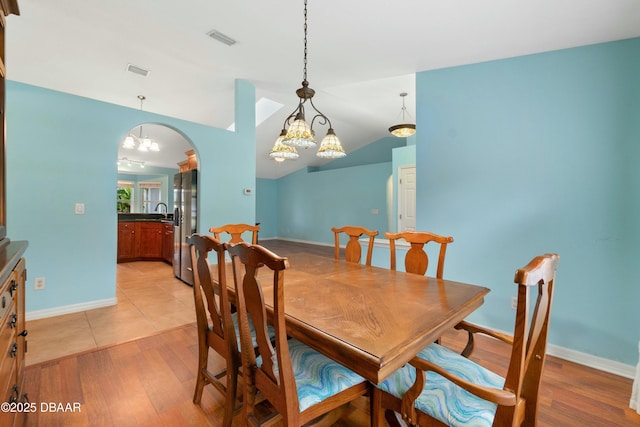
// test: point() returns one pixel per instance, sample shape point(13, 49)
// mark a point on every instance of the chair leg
point(377, 413)
point(197, 394)
point(231, 394)
point(201, 380)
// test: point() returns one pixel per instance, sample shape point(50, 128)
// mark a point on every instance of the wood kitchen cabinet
point(145, 241)
point(151, 240)
point(127, 241)
point(167, 244)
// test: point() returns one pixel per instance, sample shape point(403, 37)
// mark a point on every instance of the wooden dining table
point(371, 320)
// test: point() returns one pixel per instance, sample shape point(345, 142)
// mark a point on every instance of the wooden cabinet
point(167, 244)
point(13, 344)
point(190, 164)
point(145, 241)
point(127, 241)
point(151, 239)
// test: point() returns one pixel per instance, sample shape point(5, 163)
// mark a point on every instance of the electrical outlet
point(514, 303)
point(38, 283)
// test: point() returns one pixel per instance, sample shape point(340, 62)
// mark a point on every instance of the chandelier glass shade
point(281, 152)
point(129, 142)
point(403, 129)
point(300, 133)
point(330, 147)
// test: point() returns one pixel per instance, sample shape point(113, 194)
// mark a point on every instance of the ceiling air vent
point(222, 38)
point(137, 70)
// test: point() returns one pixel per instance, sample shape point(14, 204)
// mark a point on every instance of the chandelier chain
point(305, 42)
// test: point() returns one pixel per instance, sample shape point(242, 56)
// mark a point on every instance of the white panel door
point(407, 198)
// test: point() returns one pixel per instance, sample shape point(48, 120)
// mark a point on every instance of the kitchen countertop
point(145, 217)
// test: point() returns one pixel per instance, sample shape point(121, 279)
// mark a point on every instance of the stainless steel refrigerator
point(185, 222)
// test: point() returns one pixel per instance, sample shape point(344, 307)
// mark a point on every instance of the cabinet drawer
point(6, 297)
point(10, 391)
point(7, 343)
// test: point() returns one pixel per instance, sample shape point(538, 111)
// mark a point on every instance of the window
point(125, 191)
point(150, 196)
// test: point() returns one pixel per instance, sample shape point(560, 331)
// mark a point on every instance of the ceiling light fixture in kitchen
point(299, 133)
point(404, 129)
point(144, 142)
point(129, 162)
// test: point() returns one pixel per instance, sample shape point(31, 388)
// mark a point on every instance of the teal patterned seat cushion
point(317, 376)
point(442, 399)
point(270, 331)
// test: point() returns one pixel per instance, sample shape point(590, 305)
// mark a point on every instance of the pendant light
point(404, 129)
point(145, 143)
point(299, 132)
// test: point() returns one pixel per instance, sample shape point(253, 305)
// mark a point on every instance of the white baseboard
point(298, 241)
point(595, 362)
point(68, 309)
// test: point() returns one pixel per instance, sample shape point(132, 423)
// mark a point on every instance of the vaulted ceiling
point(361, 55)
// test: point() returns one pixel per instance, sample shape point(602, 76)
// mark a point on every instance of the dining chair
point(353, 250)
point(236, 231)
point(441, 387)
point(416, 259)
point(301, 384)
point(215, 323)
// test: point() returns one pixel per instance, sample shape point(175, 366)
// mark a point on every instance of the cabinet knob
point(14, 350)
point(23, 333)
point(13, 287)
point(13, 320)
point(15, 393)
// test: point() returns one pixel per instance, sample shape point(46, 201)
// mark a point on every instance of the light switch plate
point(79, 209)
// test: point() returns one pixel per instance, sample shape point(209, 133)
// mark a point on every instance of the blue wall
point(539, 154)
point(310, 203)
point(514, 158)
point(62, 149)
point(267, 207)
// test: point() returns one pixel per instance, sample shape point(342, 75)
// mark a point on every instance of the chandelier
point(144, 142)
point(404, 129)
point(298, 132)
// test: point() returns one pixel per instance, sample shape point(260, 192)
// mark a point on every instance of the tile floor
point(150, 299)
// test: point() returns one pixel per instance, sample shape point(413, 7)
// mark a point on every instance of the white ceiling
point(361, 55)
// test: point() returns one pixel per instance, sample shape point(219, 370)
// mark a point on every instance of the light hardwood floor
point(150, 380)
point(150, 299)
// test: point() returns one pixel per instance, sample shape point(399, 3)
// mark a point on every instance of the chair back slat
point(416, 259)
point(353, 249)
point(236, 231)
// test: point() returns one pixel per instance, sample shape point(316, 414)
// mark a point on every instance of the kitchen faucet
point(166, 209)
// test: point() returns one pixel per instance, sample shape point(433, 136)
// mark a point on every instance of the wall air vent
point(137, 70)
point(222, 38)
